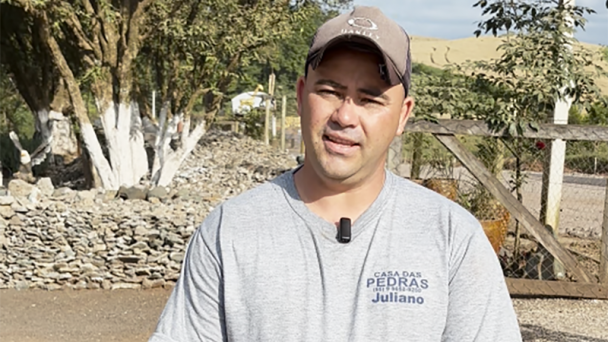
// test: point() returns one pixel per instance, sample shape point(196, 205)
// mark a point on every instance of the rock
point(152, 284)
point(88, 267)
point(46, 186)
point(106, 284)
point(141, 245)
point(158, 192)
point(130, 286)
point(15, 221)
point(19, 208)
point(109, 195)
point(141, 230)
point(145, 271)
point(99, 247)
point(129, 259)
point(152, 234)
point(19, 188)
point(6, 212)
point(22, 285)
point(91, 239)
point(93, 286)
point(6, 200)
point(182, 193)
point(64, 191)
point(177, 256)
point(52, 287)
point(86, 195)
point(132, 193)
point(35, 195)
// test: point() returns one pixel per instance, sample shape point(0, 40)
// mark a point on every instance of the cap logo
point(364, 23)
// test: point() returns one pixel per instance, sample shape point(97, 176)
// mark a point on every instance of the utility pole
point(553, 174)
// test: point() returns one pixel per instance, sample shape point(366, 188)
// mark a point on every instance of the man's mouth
point(338, 140)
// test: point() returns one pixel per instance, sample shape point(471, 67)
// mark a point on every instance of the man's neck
point(332, 200)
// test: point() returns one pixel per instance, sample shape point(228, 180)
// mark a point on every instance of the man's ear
point(300, 93)
point(404, 115)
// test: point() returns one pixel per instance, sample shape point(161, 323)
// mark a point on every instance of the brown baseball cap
point(367, 27)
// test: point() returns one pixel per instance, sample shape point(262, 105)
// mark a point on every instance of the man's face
point(349, 115)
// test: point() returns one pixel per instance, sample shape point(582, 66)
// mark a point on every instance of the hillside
point(439, 52)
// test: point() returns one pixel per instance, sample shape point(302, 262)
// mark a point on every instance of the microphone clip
point(344, 232)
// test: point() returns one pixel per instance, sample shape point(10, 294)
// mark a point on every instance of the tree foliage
point(191, 51)
point(540, 63)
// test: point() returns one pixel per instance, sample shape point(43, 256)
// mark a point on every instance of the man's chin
point(338, 171)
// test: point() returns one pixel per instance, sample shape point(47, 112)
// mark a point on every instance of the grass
point(440, 52)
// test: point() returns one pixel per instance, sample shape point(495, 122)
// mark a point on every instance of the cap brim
point(361, 44)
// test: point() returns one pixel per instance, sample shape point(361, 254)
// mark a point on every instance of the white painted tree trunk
point(166, 160)
point(125, 141)
point(108, 180)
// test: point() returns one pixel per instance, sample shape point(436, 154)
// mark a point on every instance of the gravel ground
point(562, 320)
point(131, 315)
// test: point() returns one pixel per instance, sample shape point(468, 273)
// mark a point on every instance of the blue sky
point(454, 19)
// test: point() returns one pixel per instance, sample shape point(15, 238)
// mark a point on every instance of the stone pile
point(134, 238)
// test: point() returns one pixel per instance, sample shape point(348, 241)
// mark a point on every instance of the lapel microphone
point(344, 230)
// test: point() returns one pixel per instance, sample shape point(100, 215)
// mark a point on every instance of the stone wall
point(132, 238)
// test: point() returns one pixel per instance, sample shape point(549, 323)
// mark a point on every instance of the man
point(271, 263)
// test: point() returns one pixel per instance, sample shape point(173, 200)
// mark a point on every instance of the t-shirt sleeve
point(194, 311)
point(480, 308)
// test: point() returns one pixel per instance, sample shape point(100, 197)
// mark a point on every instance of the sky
point(455, 19)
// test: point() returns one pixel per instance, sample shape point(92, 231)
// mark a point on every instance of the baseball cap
point(367, 27)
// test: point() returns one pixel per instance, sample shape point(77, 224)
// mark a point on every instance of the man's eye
point(370, 101)
point(328, 92)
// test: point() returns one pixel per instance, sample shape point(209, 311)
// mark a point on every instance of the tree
point(286, 57)
point(194, 54)
point(33, 73)
point(537, 66)
point(198, 42)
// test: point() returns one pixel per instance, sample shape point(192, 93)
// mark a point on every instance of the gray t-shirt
point(263, 267)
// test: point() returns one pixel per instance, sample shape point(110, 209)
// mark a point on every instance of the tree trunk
point(122, 127)
point(88, 133)
point(166, 160)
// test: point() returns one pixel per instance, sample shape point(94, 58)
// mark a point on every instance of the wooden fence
point(585, 286)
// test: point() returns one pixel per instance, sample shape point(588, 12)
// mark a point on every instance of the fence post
point(604, 243)
point(553, 178)
point(267, 116)
point(283, 113)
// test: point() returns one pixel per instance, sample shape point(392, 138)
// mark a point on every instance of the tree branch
point(131, 36)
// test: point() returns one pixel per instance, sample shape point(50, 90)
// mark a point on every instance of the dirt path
point(129, 315)
point(86, 316)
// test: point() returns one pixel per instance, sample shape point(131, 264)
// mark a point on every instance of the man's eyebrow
point(330, 83)
point(375, 92)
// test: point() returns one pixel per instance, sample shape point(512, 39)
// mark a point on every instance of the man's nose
point(346, 115)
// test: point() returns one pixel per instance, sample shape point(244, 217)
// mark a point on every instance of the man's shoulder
point(260, 195)
point(257, 200)
point(426, 202)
